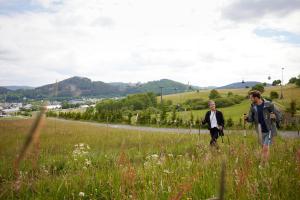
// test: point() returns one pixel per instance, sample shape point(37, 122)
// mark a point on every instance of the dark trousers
point(214, 134)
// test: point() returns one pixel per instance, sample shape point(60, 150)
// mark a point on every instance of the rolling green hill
point(290, 92)
point(84, 87)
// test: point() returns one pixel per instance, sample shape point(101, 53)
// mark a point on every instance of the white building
point(11, 110)
point(53, 107)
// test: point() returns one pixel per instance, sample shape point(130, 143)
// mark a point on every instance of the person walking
point(265, 116)
point(215, 120)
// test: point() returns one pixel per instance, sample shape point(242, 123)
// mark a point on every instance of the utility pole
point(161, 92)
point(56, 88)
point(281, 95)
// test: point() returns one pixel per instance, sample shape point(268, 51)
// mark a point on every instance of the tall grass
point(81, 161)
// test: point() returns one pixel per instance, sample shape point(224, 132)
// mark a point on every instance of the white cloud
point(138, 40)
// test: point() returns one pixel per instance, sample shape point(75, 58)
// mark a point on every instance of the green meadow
point(290, 92)
point(85, 161)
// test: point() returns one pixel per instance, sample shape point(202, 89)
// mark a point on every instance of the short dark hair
point(255, 93)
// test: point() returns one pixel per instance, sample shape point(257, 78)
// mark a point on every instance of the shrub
point(258, 87)
point(229, 122)
point(214, 94)
point(274, 95)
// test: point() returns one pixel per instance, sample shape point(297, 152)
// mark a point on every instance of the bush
point(229, 122)
point(229, 101)
point(293, 80)
point(214, 94)
point(293, 108)
point(229, 94)
point(258, 87)
point(276, 82)
point(274, 95)
point(195, 104)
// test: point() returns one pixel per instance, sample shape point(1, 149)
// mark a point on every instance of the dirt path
point(286, 134)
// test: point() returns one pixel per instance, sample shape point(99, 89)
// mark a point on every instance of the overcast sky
point(201, 42)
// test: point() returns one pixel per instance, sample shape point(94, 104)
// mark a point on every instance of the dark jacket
point(268, 108)
point(219, 117)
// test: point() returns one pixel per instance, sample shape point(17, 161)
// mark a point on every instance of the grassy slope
point(122, 169)
point(290, 92)
point(235, 112)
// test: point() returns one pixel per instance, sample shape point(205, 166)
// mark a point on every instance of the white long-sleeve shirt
point(213, 119)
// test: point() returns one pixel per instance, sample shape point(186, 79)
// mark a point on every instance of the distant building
point(76, 102)
point(84, 106)
point(11, 110)
point(53, 107)
point(2, 114)
point(27, 107)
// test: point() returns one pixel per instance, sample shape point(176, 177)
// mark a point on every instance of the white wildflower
point(81, 194)
point(155, 156)
point(167, 171)
point(170, 155)
point(88, 162)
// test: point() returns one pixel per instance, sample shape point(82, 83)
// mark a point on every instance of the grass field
point(290, 92)
point(235, 112)
point(79, 161)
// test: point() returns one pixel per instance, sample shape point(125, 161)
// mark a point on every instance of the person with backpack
point(215, 120)
point(266, 118)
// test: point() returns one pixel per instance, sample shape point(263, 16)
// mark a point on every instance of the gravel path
point(286, 134)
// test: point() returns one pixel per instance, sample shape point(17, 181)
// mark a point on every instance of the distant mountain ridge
point(84, 87)
point(18, 87)
point(4, 90)
point(76, 86)
point(238, 85)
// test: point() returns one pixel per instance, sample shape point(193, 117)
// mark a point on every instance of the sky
point(204, 43)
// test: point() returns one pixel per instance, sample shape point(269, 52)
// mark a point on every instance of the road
point(286, 134)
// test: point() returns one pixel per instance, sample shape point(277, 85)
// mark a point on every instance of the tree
point(214, 94)
point(229, 94)
point(293, 108)
point(174, 116)
point(129, 117)
point(258, 87)
point(163, 114)
point(293, 80)
point(298, 81)
point(274, 95)
point(191, 119)
point(229, 122)
point(276, 82)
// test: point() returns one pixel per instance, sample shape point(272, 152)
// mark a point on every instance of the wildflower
point(81, 194)
point(146, 164)
point(88, 162)
point(170, 155)
point(155, 156)
point(167, 171)
point(189, 163)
